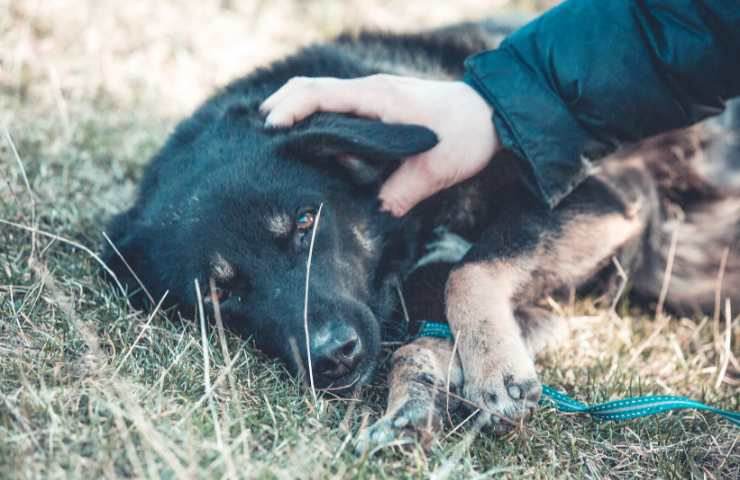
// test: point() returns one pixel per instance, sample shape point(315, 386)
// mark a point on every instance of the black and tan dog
point(230, 201)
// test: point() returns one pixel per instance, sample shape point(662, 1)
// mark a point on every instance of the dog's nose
point(336, 353)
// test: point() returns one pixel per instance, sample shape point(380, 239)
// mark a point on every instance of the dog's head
point(236, 208)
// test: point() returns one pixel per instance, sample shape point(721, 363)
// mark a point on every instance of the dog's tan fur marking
point(584, 247)
point(279, 224)
point(221, 269)
point(482, 298)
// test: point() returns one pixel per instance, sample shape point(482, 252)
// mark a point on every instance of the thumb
point(410, 184)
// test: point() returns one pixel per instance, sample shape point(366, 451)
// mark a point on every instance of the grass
point(91, 388)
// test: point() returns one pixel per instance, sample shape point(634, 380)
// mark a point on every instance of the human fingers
point(302, 96)
point(411, 183)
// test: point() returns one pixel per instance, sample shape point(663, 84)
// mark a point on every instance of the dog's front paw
point(413, 421)
point(503, 401)
point(504, 388)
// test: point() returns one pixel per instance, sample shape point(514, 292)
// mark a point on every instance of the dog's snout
point(336, 352)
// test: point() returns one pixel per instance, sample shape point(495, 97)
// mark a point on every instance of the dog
point(240, 208)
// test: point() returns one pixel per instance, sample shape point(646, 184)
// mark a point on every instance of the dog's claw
point(401, 422)
point(382, 432)
point(412, 422)
point(379, 433)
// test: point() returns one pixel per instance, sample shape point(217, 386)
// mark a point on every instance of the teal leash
point(631, 407)
point(623, 409)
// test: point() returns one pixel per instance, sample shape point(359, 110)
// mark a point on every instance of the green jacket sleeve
point(571, 86)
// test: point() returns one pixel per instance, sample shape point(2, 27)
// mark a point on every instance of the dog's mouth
point(351, 382)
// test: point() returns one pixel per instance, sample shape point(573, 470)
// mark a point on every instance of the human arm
point(587, 76)
point(566, 89)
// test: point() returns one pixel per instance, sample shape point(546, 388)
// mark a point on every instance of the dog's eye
point(304, 221)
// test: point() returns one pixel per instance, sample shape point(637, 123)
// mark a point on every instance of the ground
point(91, 388)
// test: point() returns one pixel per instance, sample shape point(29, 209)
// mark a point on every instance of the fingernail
point(388, 207)
point(270, 122)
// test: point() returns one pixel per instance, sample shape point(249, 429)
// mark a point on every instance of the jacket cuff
point(532, 121)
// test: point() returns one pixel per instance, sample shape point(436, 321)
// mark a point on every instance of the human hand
point(459, 116)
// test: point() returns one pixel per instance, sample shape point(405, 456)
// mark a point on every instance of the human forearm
point(574, 84)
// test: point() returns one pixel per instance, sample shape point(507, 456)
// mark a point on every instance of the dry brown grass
point(90, 387)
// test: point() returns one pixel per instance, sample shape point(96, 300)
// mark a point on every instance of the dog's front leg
point(525, 255)
point(498, 365)
point(424, 381)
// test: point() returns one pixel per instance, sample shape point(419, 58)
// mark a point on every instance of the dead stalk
point(718, 296)
point(227, 358)
point(449, 374)
point(158, 442)
point(305, 303)
point(207, 395)
point(622, 285)
point(31, 195)
point(206, 367)
point(128, 267)
point(668, 273)
point(727, 352)
point(141, 333)
point(73, 244)
point(401, 298)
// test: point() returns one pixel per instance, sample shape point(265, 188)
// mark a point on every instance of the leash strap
point(631, 407)
point(623, 409)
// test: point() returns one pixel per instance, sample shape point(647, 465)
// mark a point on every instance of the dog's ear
point(367, 150)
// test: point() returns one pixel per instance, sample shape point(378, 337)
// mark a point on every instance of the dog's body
point(229, 202)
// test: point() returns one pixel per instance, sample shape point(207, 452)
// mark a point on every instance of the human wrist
point(482, 114)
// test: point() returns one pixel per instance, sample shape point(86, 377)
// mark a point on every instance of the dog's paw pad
point(528, 390)
point(515, 392)
point(503, 402)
